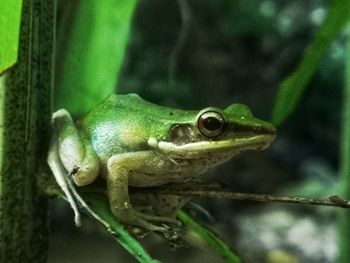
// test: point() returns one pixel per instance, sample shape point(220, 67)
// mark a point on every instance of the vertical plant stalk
point(344, 182)
point(25, 115)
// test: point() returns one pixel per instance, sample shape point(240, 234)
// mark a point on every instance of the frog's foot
point(159, 219)
point(174, 236)
point(137, 218)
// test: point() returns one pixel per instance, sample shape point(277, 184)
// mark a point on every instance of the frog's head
point(213, 131)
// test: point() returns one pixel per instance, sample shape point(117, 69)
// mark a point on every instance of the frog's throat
point(257, 142)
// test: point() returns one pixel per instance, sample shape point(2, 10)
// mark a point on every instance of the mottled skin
point(131, 142)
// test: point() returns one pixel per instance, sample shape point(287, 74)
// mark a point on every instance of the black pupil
point(211, 123)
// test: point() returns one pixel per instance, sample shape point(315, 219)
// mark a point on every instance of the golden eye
point(211, 124)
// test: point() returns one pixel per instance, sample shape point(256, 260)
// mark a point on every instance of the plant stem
point(344, 180)
point(25, 115)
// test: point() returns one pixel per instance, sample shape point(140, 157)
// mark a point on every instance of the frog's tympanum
point(132, 142)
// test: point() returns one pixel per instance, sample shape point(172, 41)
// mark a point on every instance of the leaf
point(10, 18)
point(95, 53)
point(293, 87)
point(210, 238)
point(99, 205)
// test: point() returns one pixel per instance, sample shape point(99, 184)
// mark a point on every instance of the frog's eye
point(211, 124)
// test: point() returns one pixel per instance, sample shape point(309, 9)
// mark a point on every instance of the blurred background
point(192, 54)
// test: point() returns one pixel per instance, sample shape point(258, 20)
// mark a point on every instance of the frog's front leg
point(120, 167)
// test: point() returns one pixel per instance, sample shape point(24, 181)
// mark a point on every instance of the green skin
point(131, 142)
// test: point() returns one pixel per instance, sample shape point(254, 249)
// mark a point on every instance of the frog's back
point(134, 103)
point(115, 107)
point(124, 123)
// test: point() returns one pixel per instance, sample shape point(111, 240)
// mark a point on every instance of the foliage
point(100, 206)
point(291, 89)
point(210, 238)
point(95, 53)
point(344, 180)
point(10, 17)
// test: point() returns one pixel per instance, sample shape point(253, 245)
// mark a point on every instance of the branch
point(213, 191)
point(210, 190)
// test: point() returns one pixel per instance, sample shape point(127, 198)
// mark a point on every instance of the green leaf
point(210, 238)
point(95, 53)
point(293, 87)
point(99, 205)
point(10, 17)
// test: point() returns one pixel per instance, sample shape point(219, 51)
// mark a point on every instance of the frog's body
point(109, 134)
point(131, 142)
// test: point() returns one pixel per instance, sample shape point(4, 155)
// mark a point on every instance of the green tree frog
point(132, 142)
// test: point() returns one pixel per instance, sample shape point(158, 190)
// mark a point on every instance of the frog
point(130, 142)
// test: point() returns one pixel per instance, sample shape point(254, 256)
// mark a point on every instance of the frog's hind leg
point(60, 174)
point(166, 204)
point(74, 149)
point(71, 155)
point(120, 167)
point(67, 186)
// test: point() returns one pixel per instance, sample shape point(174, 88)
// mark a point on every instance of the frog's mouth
point(190, 150)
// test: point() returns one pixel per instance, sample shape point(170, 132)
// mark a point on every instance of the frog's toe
point(159, 219)
point(149, 226)
point(136, 218)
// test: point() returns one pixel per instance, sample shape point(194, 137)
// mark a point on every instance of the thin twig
point(334, 200)
point(214, 190)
